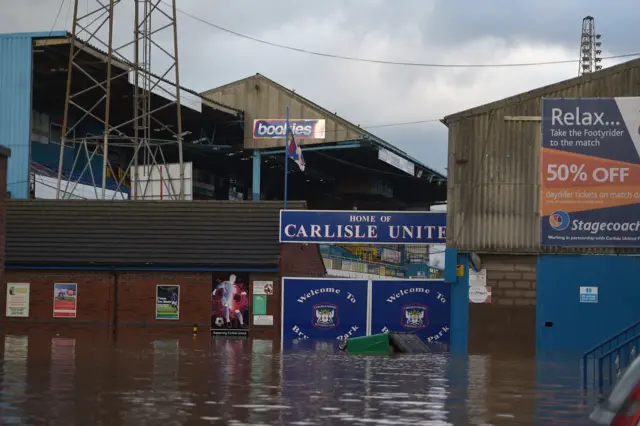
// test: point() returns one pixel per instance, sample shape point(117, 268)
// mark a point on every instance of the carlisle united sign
point(362, 227)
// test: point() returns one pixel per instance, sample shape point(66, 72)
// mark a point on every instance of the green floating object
point(377, 344)
point(385, 344)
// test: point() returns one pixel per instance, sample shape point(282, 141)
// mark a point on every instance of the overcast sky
point(430, 31)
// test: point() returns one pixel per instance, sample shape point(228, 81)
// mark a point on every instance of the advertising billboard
point(230, 305)
point(302, 129)
point(362, 227)
point(590, 172)
point(65, 300)
point(167, 302)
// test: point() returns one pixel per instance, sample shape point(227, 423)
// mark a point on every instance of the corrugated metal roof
point(545, 91)
point(493, 188)
point(38, 34)
point(65, 34)
point(144, 233)
point(15, 109)
point(355, 128)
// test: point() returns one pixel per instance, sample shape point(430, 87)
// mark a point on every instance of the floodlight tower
point(590, 47)
point(89, 96)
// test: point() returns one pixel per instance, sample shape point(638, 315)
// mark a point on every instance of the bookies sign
point(324, 308)
point(302, 129)
point(417, 306)
point(361, 227)
point(590, 192)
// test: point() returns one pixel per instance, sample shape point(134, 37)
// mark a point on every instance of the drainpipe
point(115, 301)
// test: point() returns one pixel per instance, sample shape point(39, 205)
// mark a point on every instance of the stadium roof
point(354, 128)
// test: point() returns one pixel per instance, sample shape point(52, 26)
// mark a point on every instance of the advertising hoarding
point(590, 172)
point(302, 129)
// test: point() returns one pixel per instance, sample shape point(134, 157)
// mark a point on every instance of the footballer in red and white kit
point(232, 297)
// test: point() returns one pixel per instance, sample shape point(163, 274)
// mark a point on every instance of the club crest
point(414, 316)
point(325, 316)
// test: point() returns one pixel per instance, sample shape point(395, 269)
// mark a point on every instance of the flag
point(293, 150)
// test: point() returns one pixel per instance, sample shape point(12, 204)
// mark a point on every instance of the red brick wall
point(136, 294)
point(302, 260)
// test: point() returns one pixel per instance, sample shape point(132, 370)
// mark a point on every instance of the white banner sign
point(18, 299)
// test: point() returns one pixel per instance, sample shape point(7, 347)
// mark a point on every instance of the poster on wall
point(590, 185)
point(230, 305)
point(167, 302)
point(324, 308)
point(418, 306)
point(65, 300)
point(18, 300)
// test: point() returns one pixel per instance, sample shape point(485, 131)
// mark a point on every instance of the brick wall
point(512, 279)
point(128, 298)
point(302, 260)
point(97, 294)
point(509, 321)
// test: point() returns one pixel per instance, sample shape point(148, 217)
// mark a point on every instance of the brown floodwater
point(91, 377)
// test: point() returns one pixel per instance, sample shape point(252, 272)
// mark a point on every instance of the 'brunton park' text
point(369, 230)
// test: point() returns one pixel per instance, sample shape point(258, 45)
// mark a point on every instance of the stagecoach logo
point(414, 316)
point(325, 316)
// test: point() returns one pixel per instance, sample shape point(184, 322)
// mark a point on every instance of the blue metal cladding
point(568, 321)
point(15, 109)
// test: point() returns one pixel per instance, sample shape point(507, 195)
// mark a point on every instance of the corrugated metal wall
point(261, 98)
point(15, 109)
point(493, 189)
point(151, 233)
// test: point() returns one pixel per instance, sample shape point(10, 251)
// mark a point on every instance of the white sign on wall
point(18, 300)
point(263, 287)
point(588, 294)
point(263, 320)
point(477, 277)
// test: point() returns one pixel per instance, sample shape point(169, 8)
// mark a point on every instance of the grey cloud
point(545, 21)
point(405, 30)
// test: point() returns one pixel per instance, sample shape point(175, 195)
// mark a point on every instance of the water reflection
point(92, 378)
point(14, 378)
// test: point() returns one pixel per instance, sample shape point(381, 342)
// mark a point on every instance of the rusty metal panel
point(493, 191)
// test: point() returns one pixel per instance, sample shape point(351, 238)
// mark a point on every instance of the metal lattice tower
point(89, 94)
point(590, 47)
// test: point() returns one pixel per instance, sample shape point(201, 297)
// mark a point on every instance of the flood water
point(89, 377)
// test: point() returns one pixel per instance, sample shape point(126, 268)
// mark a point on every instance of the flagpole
point(286, 157)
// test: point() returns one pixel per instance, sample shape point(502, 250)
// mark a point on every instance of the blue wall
point(580, 326)
point(15, 109)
